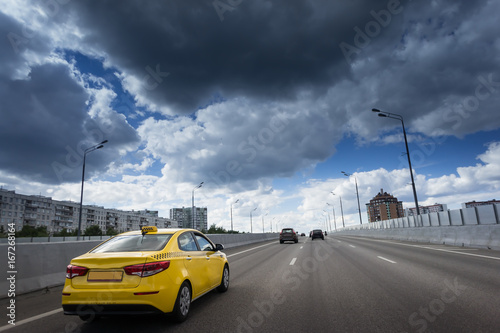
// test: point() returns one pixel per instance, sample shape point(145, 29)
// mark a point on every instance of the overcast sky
point(266, 102)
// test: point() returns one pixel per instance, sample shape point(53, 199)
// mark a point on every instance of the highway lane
point(342, 284)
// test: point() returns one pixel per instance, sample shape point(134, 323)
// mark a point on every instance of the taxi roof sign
point(145, 230)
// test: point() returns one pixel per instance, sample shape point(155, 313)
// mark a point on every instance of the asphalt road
point(341, 284)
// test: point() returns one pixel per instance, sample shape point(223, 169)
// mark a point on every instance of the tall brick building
point(384, 207)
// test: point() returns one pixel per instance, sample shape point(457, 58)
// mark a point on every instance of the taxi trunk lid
point(105, 270)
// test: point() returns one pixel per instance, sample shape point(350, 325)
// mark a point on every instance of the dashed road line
point(392, 262)
point(30, 319)
point(253, 248)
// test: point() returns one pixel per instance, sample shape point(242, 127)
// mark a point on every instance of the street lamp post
point(232, 213)
point(399, 117)
point(357, 194)
point(85, 152)
point(251, 224)
point(341, 210)
point(193, 211)
point(328, 221)
point(263, 222)
point(334, 220)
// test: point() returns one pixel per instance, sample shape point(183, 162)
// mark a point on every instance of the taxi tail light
point(144, 270)
point(72, 271)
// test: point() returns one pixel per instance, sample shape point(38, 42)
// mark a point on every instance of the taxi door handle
point(189, 258)
point(208, 258)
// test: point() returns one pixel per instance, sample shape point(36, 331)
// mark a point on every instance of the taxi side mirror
point(219, 247)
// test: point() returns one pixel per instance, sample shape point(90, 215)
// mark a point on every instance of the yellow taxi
point(145, 272)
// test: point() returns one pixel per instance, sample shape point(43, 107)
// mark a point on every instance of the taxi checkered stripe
point(167, 255)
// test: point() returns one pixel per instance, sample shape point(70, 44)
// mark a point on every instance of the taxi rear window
point(134, 243)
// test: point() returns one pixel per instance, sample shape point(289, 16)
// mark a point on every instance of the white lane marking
point(435, 249)
point(301, 247)
point(253, 248)
point(293, 261)
point(463, 253)
point(27, 320)
point(392, 262)
point(352, 246)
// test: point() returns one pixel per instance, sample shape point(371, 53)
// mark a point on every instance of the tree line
point(93, 230)
point(41, 231)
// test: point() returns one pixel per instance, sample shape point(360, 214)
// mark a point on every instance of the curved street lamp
point(334, 220)
point(85, 152)
point(341, 209)
point(232, 213)
point(251, 225)
point(328, 221)
point(193, 211)
point(263, 222)
point(357, 194)
point(399, 117)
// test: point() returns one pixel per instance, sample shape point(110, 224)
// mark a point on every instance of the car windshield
point(287, 230)
point(134, 243)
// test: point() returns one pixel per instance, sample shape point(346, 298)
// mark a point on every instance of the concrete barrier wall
point(42, 265)
point(481, 215)
point(481, 236)
point(472, 227)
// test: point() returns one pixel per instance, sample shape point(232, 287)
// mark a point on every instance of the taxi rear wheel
point(224, 284)
point(182, 303)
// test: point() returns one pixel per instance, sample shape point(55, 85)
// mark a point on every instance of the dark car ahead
point(317, 233)
point(288, 234)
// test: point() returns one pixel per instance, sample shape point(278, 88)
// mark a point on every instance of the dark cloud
point(268, 50)
point(324, 64)
point(45, 126)
point(44, 113)
point(184, 55)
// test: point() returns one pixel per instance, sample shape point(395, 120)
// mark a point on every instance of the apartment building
point(37, 211)
point(472, 204)
point(426, 209)
point(184, 216)
point(384, 207)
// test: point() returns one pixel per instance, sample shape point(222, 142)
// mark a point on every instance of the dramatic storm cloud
point(244, 95)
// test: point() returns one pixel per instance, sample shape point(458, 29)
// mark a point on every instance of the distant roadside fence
point(469, 227)
point(480, 215)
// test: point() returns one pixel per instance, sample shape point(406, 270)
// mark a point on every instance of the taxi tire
point(182, 303)
point(224, 284)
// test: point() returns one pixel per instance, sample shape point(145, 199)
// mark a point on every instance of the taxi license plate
point(111, 276)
